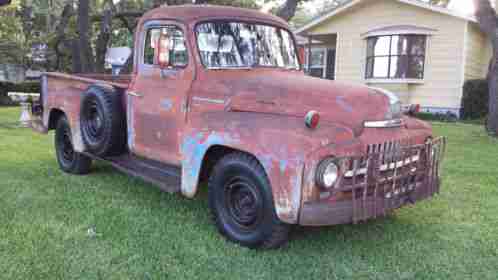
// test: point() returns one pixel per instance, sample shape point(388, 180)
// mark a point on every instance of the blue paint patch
point(131, 124)
point(340, 100)
point(266, 161)
point(283, 165)
point(167, 104)
point(194, 150)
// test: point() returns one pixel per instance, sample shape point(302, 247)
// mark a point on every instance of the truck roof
point(194, 13)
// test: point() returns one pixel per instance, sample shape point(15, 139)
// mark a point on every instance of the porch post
point(310, 40)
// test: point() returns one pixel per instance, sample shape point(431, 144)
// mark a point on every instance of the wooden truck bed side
point(61, 93)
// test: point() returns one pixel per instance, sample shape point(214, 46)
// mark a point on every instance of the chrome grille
point(389, 146)
point(387, 150)
point(378, 183)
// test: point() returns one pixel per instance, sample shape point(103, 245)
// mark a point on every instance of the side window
point(178, 55)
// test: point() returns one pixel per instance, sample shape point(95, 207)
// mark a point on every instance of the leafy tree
point(12, 42)
point(78, 32)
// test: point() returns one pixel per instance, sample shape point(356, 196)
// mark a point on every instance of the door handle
point(136, 94)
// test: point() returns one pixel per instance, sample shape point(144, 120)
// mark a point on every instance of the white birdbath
point(22, 98)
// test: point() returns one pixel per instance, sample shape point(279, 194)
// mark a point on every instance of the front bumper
point(378, 183)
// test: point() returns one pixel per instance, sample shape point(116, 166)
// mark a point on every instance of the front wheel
point(69, 160)
point(242, 204)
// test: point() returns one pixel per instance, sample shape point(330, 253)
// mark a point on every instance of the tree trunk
point(103, 41)
point(86, 53)
point(488, 22)
point(76, 56)
point(66, 15)
point(492, 125)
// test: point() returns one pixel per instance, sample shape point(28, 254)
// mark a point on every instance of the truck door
point(157, 97)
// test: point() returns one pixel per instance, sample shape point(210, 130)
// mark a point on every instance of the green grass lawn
point(109, 226)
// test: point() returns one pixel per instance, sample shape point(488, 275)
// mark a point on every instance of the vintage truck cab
point(218, 95)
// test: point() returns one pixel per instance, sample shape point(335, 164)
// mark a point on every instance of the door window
point(178, 55)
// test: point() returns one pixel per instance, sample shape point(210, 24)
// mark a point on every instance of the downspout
point(308, 66)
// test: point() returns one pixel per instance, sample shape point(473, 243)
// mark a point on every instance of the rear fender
point(74, 122)
point(65, 96)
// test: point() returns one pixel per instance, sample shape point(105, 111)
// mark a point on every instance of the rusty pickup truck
point(217, 98)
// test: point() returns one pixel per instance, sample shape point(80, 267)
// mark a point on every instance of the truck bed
point(63, 92)
point(121, 81)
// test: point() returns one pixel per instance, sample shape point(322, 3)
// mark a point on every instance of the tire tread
point(116, 137)
point(280, 231)
point(82, 163)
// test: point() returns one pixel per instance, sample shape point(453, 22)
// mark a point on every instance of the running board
point(164, 176)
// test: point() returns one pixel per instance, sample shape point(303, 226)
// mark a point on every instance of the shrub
point(6, 87)
point(475, 99)
point(441, 117)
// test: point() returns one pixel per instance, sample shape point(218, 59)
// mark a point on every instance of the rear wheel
point(242, 204)
point(69, 160)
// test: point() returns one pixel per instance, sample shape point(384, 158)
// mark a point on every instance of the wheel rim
point(244, 203)
point(94, 120)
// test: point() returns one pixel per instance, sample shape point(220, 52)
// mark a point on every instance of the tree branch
point(288, 9)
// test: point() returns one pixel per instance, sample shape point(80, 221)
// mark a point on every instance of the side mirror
point(162, 51)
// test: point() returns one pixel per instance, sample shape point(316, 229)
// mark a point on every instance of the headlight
point(395, 106)
point(327, 173)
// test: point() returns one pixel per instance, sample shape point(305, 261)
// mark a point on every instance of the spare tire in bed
point(102, 121)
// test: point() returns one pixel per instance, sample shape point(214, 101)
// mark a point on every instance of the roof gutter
point(303, 30)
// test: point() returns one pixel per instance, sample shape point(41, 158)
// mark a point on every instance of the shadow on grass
point(11, 125)
point(384, 231)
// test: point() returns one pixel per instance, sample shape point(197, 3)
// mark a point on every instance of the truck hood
point(294, 94)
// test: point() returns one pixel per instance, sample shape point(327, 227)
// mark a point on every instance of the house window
point(317, 65)
point(396, 57)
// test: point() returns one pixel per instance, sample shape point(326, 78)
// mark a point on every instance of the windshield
point(236, 44)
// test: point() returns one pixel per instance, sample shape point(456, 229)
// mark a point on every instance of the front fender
point(279, 143)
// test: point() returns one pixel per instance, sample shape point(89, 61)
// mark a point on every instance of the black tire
point(69, 161)
point(241, 203)
point(102, 120)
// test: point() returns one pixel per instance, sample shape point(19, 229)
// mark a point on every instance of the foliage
point(251, 4)
point(12, 40)
point(475, 100)
point(441, 117)
point(301, 17)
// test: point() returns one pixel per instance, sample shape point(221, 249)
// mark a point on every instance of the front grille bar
point(389, 174)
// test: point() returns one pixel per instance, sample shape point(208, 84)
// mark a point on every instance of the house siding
point(477, 57)
point(443, 76)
